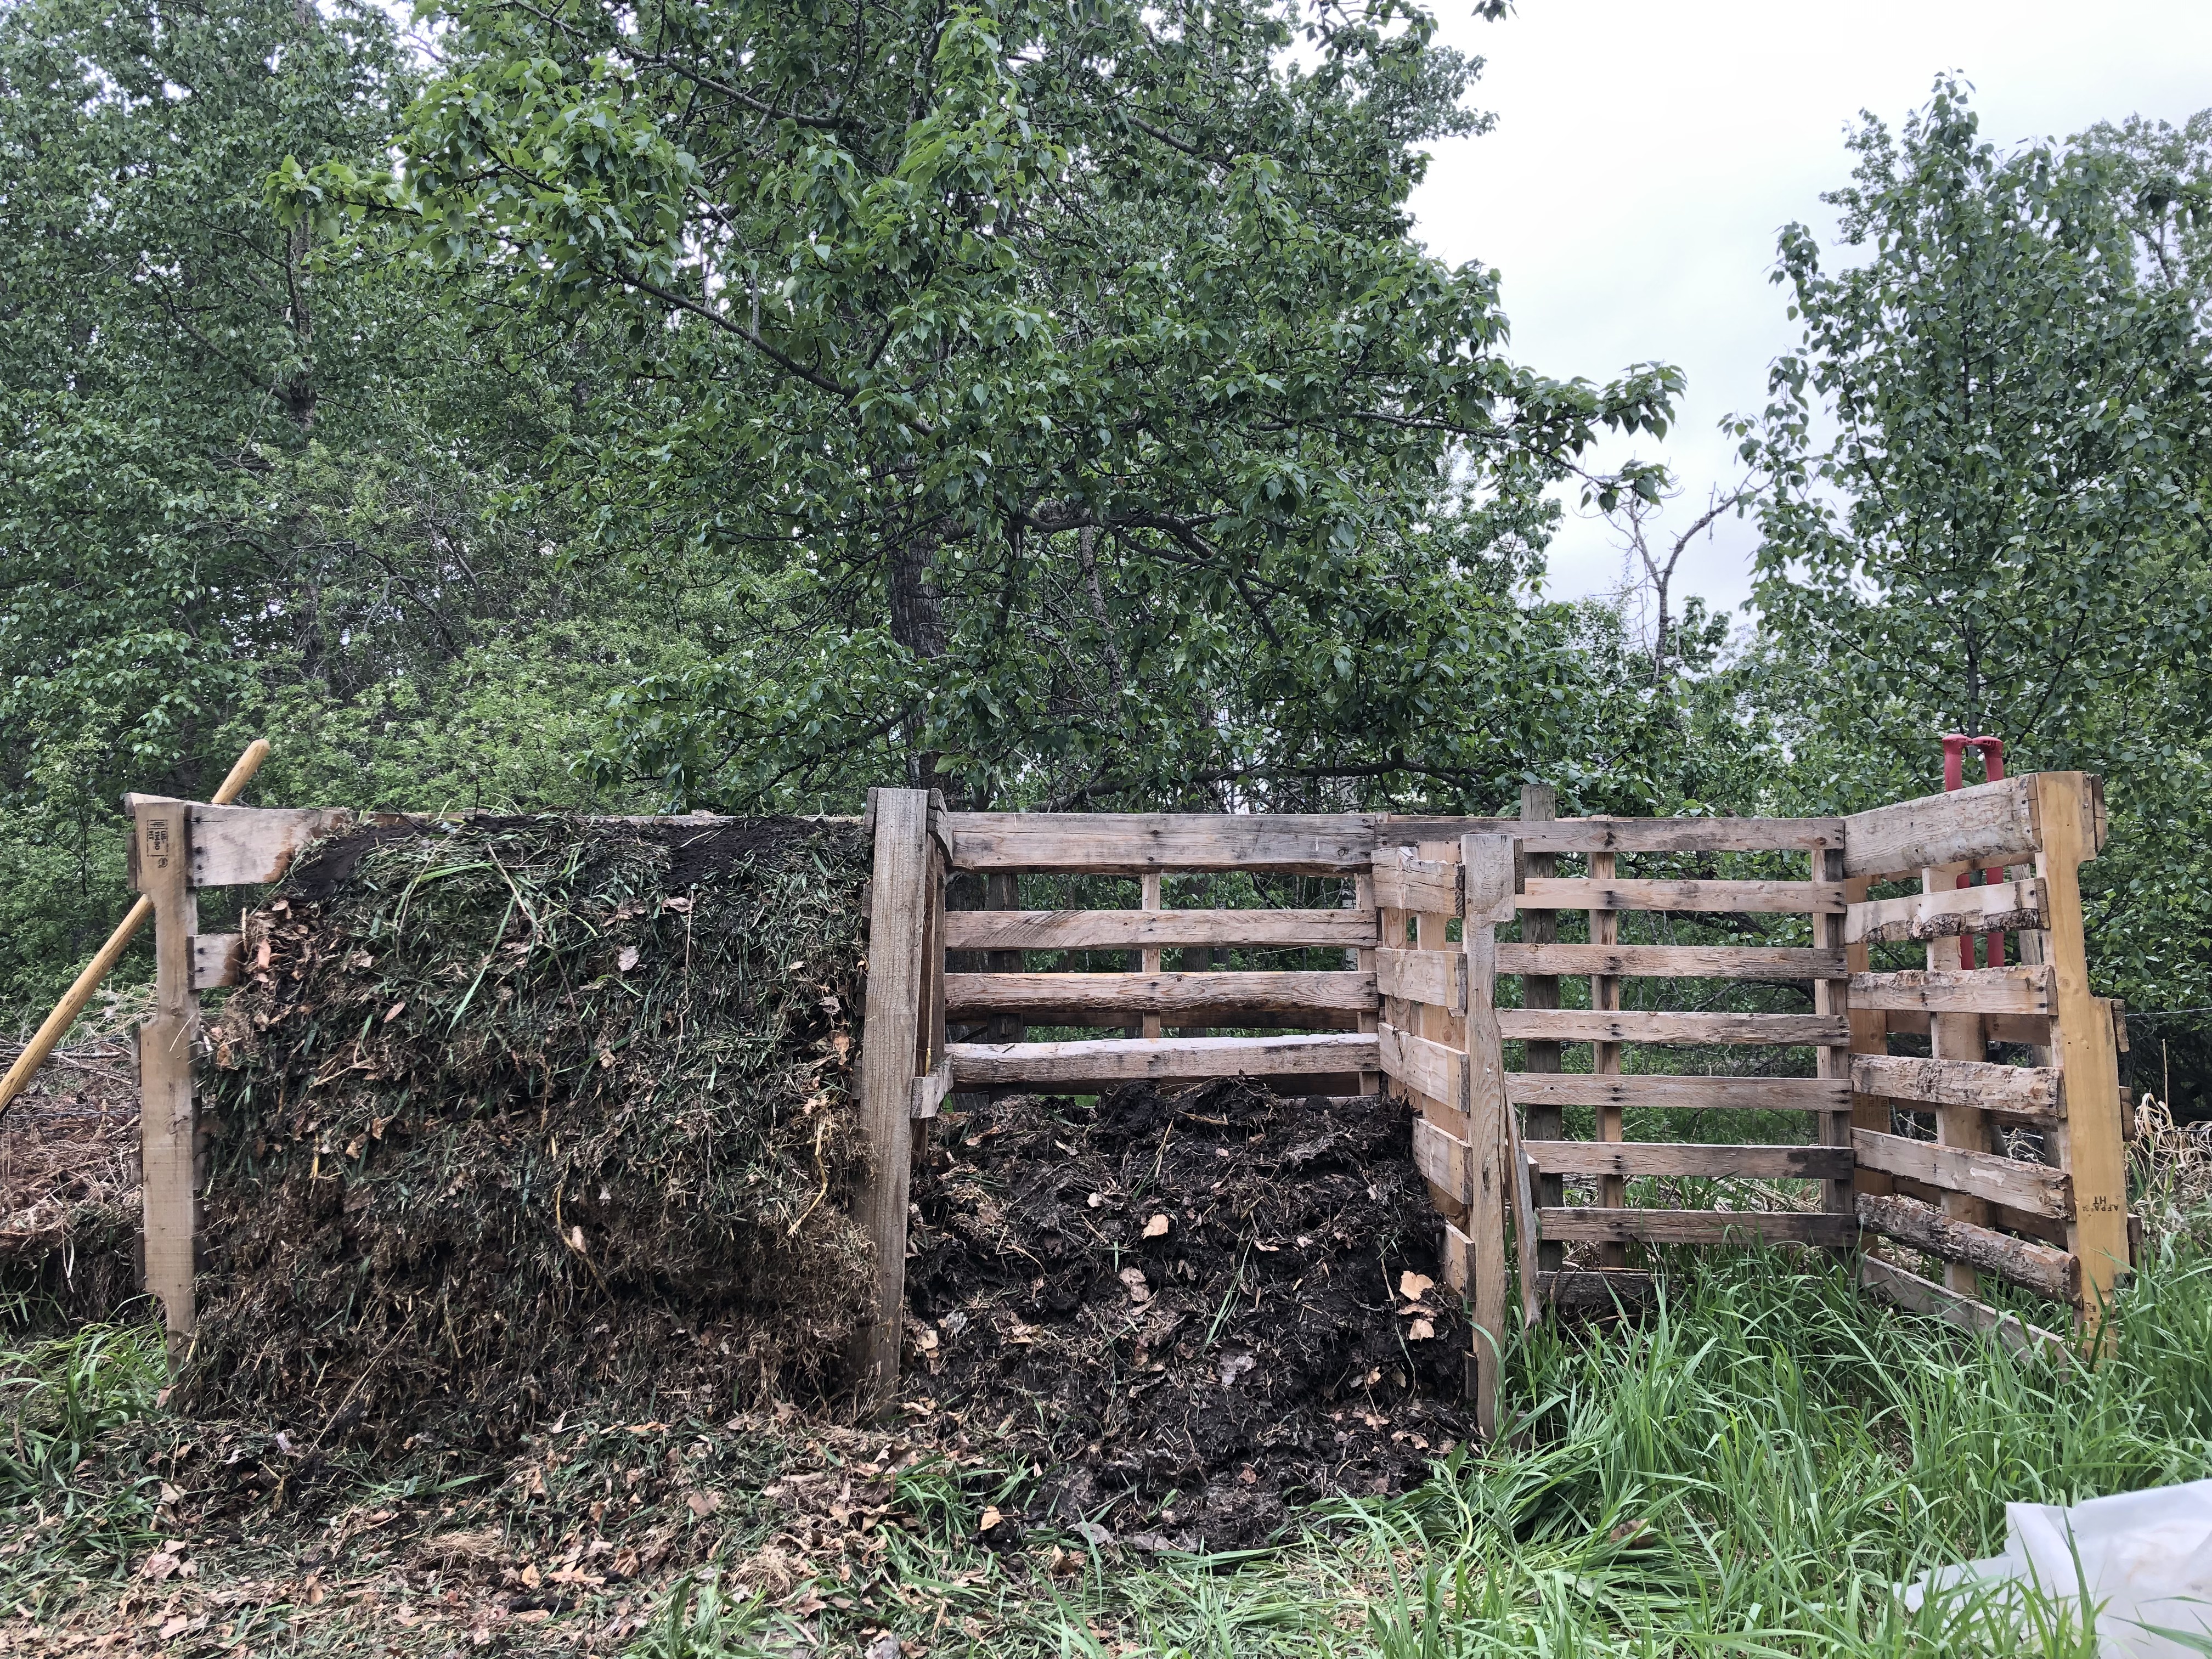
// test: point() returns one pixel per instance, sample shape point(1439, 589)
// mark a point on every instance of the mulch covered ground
point(1193, 1311)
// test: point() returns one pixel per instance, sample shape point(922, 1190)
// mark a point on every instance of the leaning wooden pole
point(57, 1025)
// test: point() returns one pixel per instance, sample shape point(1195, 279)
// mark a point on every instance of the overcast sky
point(1645, 154)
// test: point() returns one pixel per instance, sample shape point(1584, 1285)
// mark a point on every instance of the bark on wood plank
point(2004, 1217)
point(2034, 1187)
point(1131, 844)
point(1640, 1157)
point(2054, 1274)
point(1418, 884)
point(1734, 897)
point(2026, 989)
point(1436, 977)
point(898, 929)
point(168, 1122)
point(1987, 824)
point(1671, 960)
point(1424, 1066)
point(1638, 1025)
point(2037, 1090)
point(1696, 1226)
point(215, 960)
point(1734, 1094)
point(1947, 912)
point(245, 846)
point(1131, 930)
point(1919, 1295)
point(1583, 1290)
point(1169, 1058)
point(1155, 993)
point(1554, 835)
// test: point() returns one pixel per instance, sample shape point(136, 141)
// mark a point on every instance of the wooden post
point(899, 921)
point(1957, 1036)
point(1447, 1026)
point(1487, 885)
point(168, 1125)
point(1830, 996)
point(1869, 1028)
point(1149, 960)
point(1363, 900)
point(1539, 803)
point(1605, 1057)
point(2091, 1139)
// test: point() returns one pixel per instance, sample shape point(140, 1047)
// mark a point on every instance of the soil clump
point(1193, 1310)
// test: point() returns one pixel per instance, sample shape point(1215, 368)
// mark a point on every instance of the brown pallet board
point(1636, 1026)
point(2028, 988)
point(983, 1065)
point(2052, 1272)
point(1158, 993)
point(1947, 912)
point(1695, 1226)
point(1133, 844)
point(2037, 1092)
point(1131, 930)
point(1586, 836)
point(2033, 1187)
point(1642, 1158)
point(1594, 1291)
point(1734, 1094)
point(246, 846)
point(1734, 897)
point(1787, 963)
point(1984, 825)
point(1919, 1295)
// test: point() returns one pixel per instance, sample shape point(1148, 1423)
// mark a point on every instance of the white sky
point(1645, 154)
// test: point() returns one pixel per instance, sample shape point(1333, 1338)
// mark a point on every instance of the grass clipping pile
point(1193, 1311)
point(516, 1116)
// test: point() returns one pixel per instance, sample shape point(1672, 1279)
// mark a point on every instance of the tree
point(1051, 402)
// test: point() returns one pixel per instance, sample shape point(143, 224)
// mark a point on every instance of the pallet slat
point(1589, 1291)
point(1582, 835)
point(1919, 1295)
point(967, 994)
point(1990, 823)
point(1626, 1226)
point(2026, 989)
point(216, 960)
point(245, 846)
point(1673, 961)
point(2037, 1267)
point(1639, 1158)
point(1569, 893)
point(1131, 843)
point(1437, 978)
point(1635, 1025)
point(1108, 930)
point(1419, 884)
point(2029, 1093)
point(1126, 1059)
point(1426, 1068)
point(1947, 912)
point(1733, 1094)
point(1443, 1158)
point(2031, 1187)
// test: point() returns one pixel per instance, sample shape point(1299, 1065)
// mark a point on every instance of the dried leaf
point(1414, 1286)
point(991, 1518)
point(1420, 1331)
point(1134, 1279)
point(702, 1503)
point(627, 960)
point(1157, 1227)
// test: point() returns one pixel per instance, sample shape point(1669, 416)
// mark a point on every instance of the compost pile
point(1192, 1310)
point(69, 1175)
point(514, 1116)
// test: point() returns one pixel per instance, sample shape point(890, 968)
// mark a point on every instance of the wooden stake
point(1150, 959)
point(1829, 997)
point(899, 924)
point(168, 1126)
point(1539, 803)
point(1488, 866)
point(1363, 899)
point(1605, 1057)
point(1957, 1036)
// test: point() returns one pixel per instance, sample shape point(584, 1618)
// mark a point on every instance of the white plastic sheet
point(2140, 1563)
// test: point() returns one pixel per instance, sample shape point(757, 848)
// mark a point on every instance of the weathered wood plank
point(1194, 1020)
point(898, 919)
point(1581, 1290)
point(929, 1090)
point(1947, 912)
point(2026, 989)
point(2023, 1091)
point(985, 1065)
point(1441, 1157)
point(967, 994)
point(1584, 836)
point(1919, 1295)
point(1673, 961)
point(1418, 884)
point(1987, 824)
point(245, 846)
point(1735, 897)
point(1424, 1066)
point(1625, 1226)
point(168, 1120)
point(215, 960)
point(1732, 1094)
point(2054, 1274)
point(1641, 1157)
point(1636, 1026)
point(1133, 930)
point(1436, 977)
point(1131, 844)
point(1491, 864)
point(2031, 1187)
